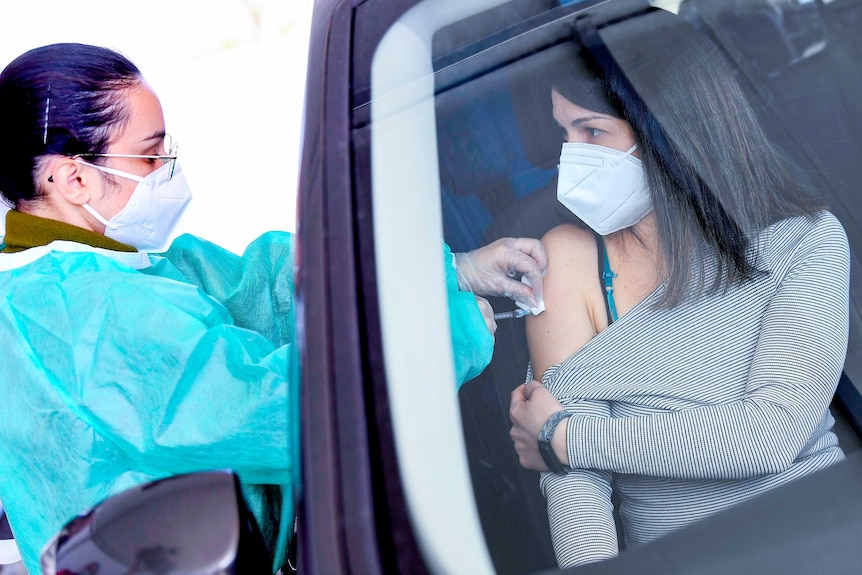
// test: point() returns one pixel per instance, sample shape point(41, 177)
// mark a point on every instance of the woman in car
point(695, 335)
point(123, 366)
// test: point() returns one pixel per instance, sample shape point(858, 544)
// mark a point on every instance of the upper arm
point(257, 288)
point(811, 302)
point(567, 324)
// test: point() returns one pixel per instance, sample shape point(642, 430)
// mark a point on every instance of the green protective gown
point(472, 343)
point(121, 368)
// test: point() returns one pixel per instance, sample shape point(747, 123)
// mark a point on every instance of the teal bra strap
point(608, 278)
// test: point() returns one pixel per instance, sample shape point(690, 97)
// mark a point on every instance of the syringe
point(515, 314)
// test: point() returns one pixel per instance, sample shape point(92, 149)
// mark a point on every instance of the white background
point(230, 75)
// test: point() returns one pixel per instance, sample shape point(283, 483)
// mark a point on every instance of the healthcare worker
point(122, 365)
point(508, 267)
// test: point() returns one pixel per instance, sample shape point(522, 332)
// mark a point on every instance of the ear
point(73, 181)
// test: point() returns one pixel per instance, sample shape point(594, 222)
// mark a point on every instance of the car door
point(419, 130)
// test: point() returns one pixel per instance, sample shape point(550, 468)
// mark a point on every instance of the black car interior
point(799, 65)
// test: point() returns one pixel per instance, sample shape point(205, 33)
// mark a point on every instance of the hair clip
point(47, 109)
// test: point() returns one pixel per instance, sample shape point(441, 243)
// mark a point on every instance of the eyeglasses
point(170, 156)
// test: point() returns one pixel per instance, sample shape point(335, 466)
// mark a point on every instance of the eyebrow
point(156, 136)
point(579, 121)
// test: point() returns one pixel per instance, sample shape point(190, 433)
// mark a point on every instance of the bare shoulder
point(571, 293)
point(572, 257)
point(570, 250)
point(568, 238)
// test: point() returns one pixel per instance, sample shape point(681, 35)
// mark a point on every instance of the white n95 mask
point(605, 188)
point(153, 211)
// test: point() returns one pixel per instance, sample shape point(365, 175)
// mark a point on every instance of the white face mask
point(605, 188)
point(155, 207)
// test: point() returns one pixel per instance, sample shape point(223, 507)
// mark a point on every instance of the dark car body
point(361, 511)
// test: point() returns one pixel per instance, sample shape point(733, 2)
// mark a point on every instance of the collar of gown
point(28, 238)
point(25, 231)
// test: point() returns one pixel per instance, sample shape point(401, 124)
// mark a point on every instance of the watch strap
point(545, 435)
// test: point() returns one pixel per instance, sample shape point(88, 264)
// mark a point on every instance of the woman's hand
point(529, 408)
point(493, 270)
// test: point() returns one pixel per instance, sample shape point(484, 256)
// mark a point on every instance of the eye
point(594, 132)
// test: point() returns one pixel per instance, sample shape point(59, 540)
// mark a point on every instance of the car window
point(459, 129)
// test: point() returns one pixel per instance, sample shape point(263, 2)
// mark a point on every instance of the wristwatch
point(545, 435)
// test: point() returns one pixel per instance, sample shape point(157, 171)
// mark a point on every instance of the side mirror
point(188, 524)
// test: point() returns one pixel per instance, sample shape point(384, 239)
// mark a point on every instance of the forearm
point(581, 518)
point(727, 442)
point(472, 343)
point(763, 431)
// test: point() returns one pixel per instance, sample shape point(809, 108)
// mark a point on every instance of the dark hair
point(714, 177)
point(58, 99)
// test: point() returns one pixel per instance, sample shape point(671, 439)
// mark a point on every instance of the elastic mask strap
point(111, 171)
point(95, 214)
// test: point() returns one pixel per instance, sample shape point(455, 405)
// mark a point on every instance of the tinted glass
point(464, 147)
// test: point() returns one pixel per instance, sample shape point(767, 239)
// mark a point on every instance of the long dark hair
point(58, 99)
point(715, 178)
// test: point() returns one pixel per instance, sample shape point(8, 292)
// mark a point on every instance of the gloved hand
point(495, 269)
point(487, 314)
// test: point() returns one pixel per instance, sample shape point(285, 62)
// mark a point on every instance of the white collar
point(136, 260)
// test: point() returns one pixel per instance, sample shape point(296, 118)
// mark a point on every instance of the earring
point(51, 179)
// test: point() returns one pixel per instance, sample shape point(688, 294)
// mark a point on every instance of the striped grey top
point(685, 412)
